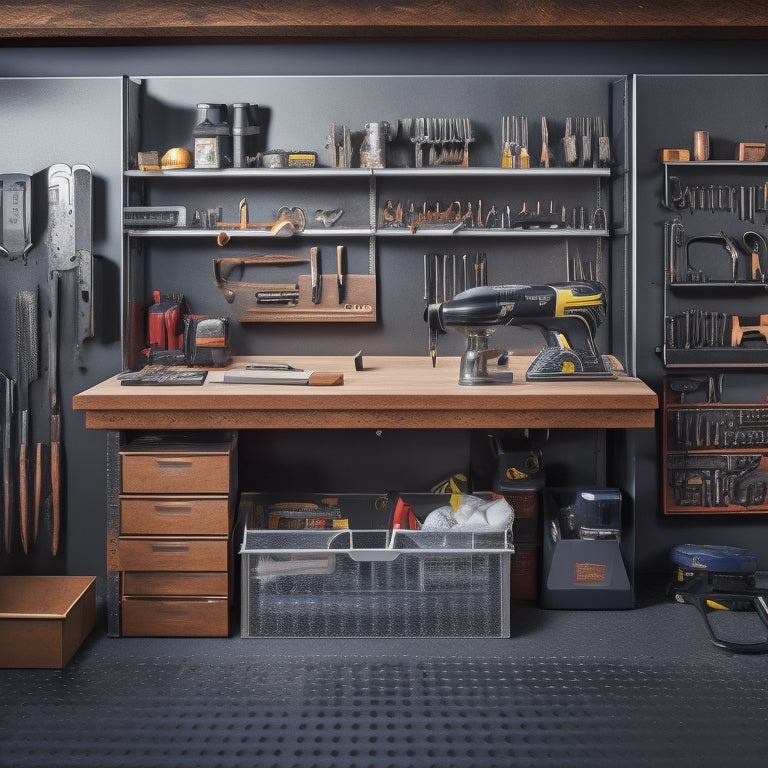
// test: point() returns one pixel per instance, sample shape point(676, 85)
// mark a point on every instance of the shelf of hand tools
point(491, 223)
point(716, 264)
point(716, 331)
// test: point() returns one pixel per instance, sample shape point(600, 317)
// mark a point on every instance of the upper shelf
point(336, 173)
point(319, 173)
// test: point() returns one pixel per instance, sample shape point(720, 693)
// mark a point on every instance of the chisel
point(317, 283)
point(340, 271)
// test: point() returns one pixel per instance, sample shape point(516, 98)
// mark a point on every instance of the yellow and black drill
point(568, 314)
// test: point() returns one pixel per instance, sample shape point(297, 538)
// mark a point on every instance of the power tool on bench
point(723, 583)
point(567, 313)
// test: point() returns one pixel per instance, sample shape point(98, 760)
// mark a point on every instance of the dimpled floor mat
point(355, 712)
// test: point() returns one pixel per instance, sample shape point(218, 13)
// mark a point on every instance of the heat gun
point(567, 313)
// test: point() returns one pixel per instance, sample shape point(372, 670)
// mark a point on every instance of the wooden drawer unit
point(174, 545)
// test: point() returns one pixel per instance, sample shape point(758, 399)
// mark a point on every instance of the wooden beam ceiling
point(100, 22)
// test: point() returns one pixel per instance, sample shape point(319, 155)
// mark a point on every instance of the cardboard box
point(44, 619)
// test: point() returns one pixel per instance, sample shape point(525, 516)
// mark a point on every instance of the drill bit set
point(446, 274)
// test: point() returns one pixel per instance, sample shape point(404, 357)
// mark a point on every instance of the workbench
point(388, 393)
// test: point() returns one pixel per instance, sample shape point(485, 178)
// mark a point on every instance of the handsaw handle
point(38, 492)
point(55, 491)
point(24, 497)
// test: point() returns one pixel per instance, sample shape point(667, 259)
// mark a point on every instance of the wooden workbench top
point(393, 392)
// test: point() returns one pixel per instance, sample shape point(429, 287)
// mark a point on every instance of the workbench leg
point(114, 483)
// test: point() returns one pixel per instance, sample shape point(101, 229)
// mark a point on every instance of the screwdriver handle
point(55, 482)
point(24, 497)
point(38, 492)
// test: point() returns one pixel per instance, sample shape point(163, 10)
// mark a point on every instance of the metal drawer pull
point(170, 548)
point(174, 463)
point(173, 509)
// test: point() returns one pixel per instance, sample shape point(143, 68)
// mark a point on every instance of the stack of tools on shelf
point(698, 329)
point(742, 201)
point(31, 470)
point(436, 216)
point(585, 143)
point(715, 452)
point(289, 221)
point(448, 139)
point(220, 140)
point(514, 142)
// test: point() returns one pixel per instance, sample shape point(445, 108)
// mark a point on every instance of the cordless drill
point(568, 314)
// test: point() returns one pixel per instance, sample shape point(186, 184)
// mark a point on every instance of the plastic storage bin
point(374, 583)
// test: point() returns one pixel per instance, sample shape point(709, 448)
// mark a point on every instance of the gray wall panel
point(63, 117)
point(42, 122)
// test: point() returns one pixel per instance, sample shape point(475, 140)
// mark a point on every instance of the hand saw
point(70, 244)
point(70, 238)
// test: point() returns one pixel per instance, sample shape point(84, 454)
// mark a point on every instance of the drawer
point(167, 553)
point(175, 617)
point(174, 514)
point(176, 584)
point(187, 472)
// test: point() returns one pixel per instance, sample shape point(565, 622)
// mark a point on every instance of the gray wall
point(68, 121)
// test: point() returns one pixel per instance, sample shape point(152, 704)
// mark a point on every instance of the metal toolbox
point(375, 583)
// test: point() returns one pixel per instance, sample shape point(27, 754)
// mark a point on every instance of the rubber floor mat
point(332, 712)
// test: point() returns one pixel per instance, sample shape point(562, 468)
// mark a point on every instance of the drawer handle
point(173, 509)
point(170, 548)
point(174, 463)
